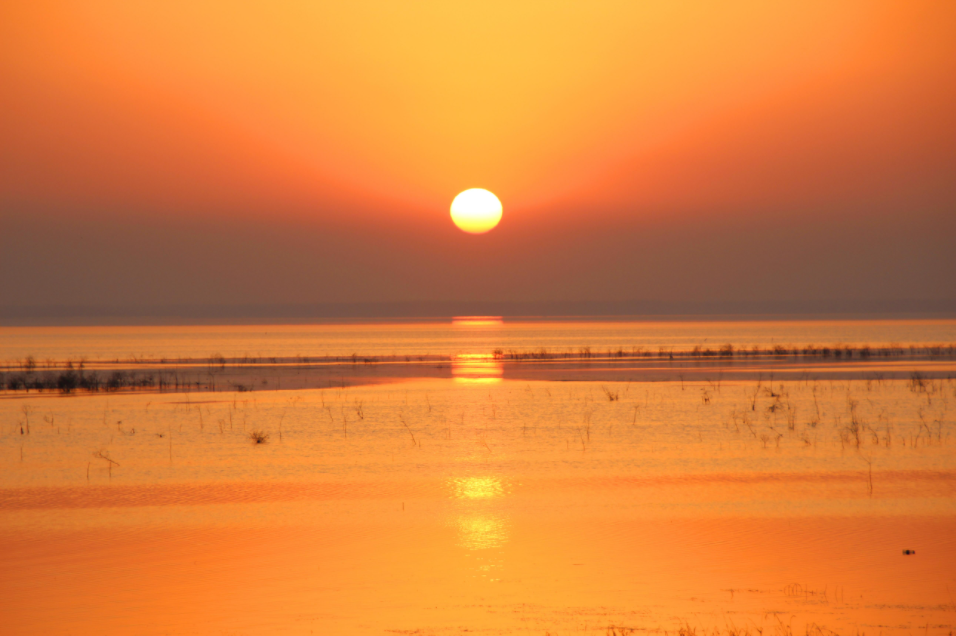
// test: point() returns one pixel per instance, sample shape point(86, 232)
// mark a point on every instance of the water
point(480, 501)
point(464, 335)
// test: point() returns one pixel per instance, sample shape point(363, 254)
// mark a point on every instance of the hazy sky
point(222, 153)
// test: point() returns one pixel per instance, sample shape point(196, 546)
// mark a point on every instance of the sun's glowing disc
point(476, 211)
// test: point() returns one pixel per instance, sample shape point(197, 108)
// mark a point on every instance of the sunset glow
point(331, 137)
point(477, 316)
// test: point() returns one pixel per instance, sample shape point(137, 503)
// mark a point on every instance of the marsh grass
point(778, 628)
point(408, 428)
point(612, 396)
point(728, 350)
point(105, 456)
point(259, 437)
point(26, 375)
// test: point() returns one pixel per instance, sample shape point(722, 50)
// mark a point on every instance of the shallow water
point(479, 503)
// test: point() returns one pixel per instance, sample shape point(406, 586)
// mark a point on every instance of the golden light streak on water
point(477, 487)
point(478, 531)
point(476, 368)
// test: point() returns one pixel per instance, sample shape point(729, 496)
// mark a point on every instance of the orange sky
point(344, 114)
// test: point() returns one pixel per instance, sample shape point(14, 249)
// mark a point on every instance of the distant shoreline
point(217, 373)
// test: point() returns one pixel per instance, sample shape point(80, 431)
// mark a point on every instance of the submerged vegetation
point(259, 437)
point(778, 629)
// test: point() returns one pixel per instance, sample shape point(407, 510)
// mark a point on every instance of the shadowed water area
point(482, 476)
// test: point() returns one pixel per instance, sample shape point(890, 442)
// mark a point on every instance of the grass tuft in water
point(259, 437)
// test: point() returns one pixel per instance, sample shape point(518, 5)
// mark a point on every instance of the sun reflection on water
point(477, 487)
point(477, 321)
point(478, 527)
point(480, 368)
point(478, 531)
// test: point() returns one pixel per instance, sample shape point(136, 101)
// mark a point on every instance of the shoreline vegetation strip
point(68, 376)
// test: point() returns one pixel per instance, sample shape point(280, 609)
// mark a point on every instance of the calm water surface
point(476, 503)
point(449, 338)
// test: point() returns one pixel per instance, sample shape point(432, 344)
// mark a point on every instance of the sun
point(476, 211)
